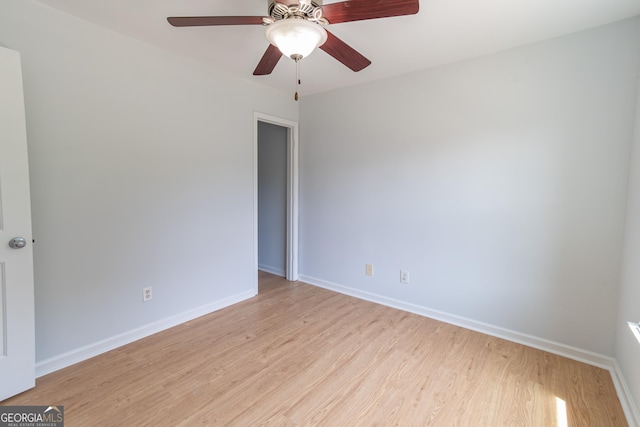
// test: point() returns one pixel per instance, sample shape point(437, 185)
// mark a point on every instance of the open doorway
point(276, 222)
point(272, 198)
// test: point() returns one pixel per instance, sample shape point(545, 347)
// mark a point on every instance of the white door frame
point(292, 193)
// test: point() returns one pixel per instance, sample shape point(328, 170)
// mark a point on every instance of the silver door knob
point(17, 243)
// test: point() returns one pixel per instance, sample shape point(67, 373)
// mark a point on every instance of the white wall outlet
point(369, 270)
point(146, 294)
point(404, 277)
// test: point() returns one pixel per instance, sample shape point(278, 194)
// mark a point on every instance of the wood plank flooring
point(298, 355)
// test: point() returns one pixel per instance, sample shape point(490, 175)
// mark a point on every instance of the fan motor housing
point(275, 7)
point(291, 2)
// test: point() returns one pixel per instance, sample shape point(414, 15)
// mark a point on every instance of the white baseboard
point(273, 270)
point(626, 399)
point(83, 353)
point(574, 353)
point(604, 362)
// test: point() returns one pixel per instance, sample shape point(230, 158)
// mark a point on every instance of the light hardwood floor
point(300, 355)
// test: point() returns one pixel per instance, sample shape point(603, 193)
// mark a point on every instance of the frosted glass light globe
point(296, 38)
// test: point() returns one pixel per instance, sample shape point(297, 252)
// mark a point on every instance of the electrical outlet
point(369, 270)
point(404, 277)
point(146, 294)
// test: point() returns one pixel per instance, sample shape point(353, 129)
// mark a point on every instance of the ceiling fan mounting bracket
point(309, 10)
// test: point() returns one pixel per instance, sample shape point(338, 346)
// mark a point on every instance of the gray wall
point(499, 183)
point(142, 175)
point(272, 198)
point(627, 351)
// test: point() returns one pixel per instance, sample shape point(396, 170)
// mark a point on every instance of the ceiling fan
point(296, 27)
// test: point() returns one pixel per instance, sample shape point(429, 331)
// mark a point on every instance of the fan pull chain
point(297, 77)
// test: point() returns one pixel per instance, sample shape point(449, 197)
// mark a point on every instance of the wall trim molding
point(80, 354)
point(624, 394)
point(574, 353)
point(581, 355)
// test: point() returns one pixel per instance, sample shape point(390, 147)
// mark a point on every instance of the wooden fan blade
point(268, 61)
point(344, 53)
point(358, 10)
point(197, 21)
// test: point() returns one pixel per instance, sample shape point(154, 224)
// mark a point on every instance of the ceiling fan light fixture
point(296, 38)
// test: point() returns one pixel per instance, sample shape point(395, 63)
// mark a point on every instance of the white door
point(17, 329)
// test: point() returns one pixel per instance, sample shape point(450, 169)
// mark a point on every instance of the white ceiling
point(443, 31)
